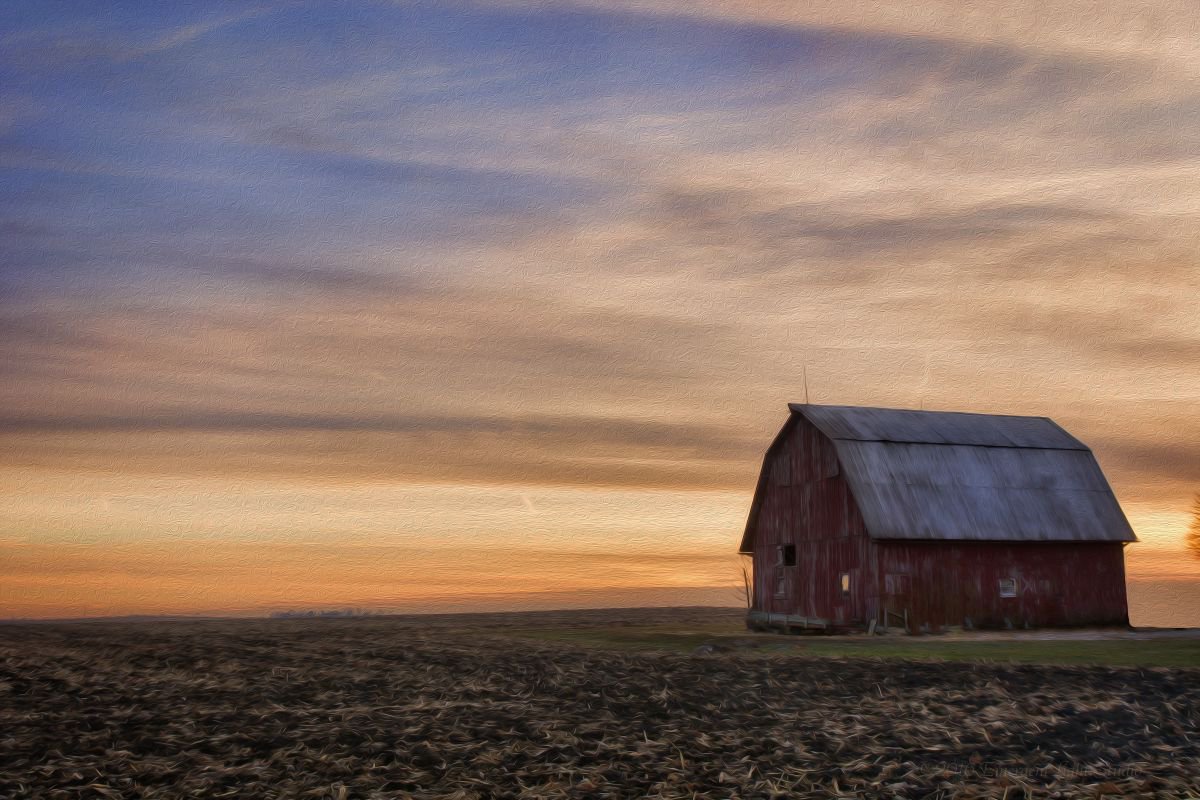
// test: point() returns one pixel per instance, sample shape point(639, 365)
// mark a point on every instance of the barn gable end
point(804, 503)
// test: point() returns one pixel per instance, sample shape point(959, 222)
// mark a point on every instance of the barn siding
point(1058, 583)
point(804, 499)
point(807, 503)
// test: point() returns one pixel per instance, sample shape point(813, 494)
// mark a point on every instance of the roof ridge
point(1082, 448)
point(911, 426)
point(796, 406)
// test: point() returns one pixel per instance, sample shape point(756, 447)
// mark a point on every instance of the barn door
point(898, 589)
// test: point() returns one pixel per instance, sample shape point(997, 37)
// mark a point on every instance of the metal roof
point(965, 477)
point(981, 493)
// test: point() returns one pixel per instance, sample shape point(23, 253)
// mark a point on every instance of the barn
point(924, 520)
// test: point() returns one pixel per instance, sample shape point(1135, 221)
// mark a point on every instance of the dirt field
point(502, 706)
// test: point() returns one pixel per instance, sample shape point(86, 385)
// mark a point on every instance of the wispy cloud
point(593, 243)
point(124, 34)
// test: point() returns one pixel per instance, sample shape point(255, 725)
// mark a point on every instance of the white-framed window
point(1008, 587)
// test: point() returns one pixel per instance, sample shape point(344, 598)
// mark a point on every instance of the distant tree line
point(336, 612)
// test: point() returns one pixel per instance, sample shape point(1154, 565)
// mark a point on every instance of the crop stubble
point(392, 707)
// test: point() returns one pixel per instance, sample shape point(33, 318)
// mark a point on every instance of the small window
point(779, 592)
point(845, 582)
point(1008, 587)
point(789, 555)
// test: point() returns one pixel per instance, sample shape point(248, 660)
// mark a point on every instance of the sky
point(473, 305)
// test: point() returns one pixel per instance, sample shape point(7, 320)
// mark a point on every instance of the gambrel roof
point(952, 476)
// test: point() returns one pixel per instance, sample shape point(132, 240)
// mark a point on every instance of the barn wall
point(806, 502)
point(1058, 583)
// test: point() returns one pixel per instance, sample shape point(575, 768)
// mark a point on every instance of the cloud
point(290, 285)
point(107, 39)
point(527, 233)
point(1162, 30)
point(189, 33)
point(379, 377)
point(778, 235)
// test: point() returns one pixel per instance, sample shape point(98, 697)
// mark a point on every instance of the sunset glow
point(461, 306)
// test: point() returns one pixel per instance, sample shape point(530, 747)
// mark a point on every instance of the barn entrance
point(897, 588)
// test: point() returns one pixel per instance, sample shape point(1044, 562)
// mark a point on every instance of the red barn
point(928, 519)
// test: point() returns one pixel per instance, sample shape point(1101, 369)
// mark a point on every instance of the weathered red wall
point(807, 503)
point(1058, 583)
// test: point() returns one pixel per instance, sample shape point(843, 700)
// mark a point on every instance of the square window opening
point(1008, 587)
